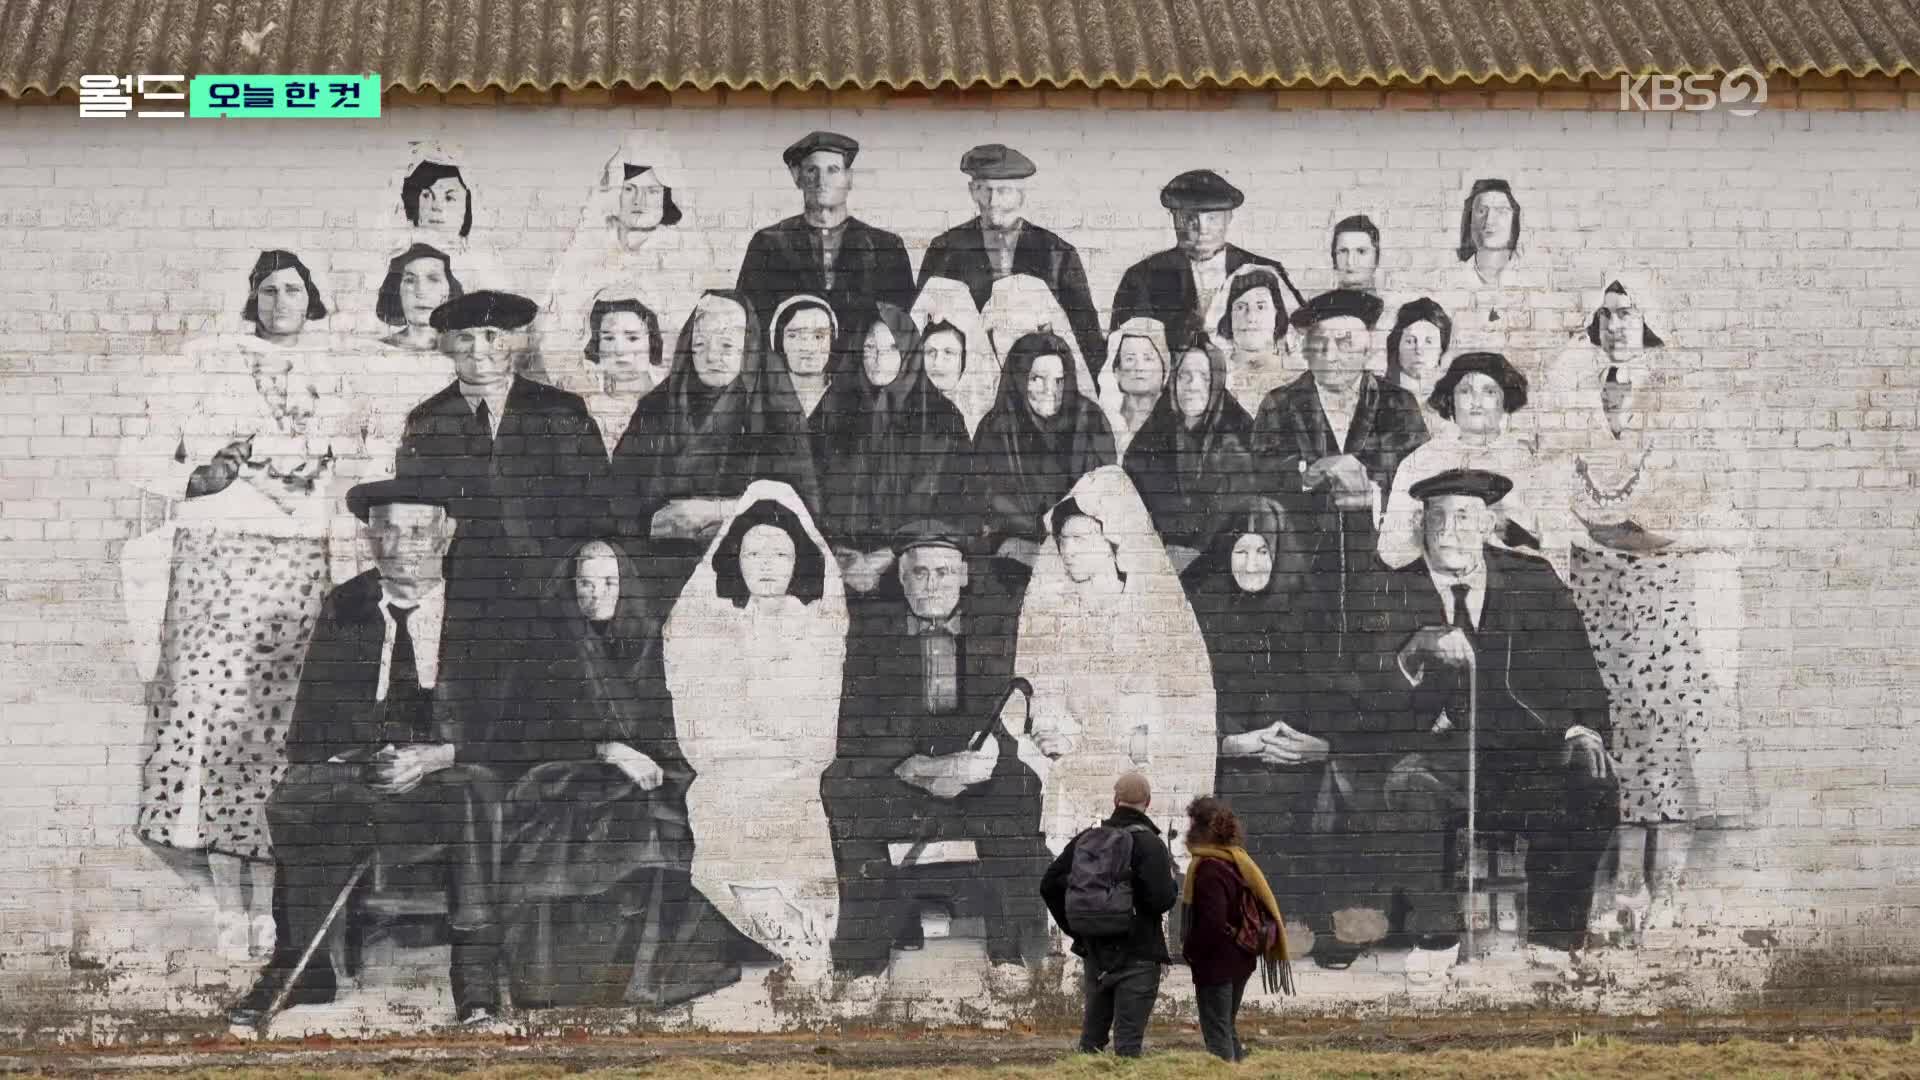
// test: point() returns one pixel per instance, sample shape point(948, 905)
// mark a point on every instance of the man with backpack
point(1110, 889)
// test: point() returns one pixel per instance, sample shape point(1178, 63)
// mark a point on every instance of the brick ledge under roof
point(46, 45)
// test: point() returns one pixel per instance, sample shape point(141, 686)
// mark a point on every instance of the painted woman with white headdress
point(1137, 368)
point(1656, 549)
point(1120, 672)
point(628, 240)
point(754, 650)
point(960, 360)
point(434, 199)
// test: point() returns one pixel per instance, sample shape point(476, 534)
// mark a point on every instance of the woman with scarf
point(597, 852)
point(1221, 878)
point(1115, 656)
point(1191, 458)
point(1247, 322)
point(754, 652)
point(893, 451)
point(1655, 567)
point(1042, 436)
point(800, 342)
point(1269, 633)
point(1137, 372)
point(724, 417)
point(961, 363)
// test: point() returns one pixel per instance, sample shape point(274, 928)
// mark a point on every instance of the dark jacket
point(871, 268)
point(532, 487)
point(1154, 892)
point(1161, 286)
point(960, 253)
point(1292, 428)
point(334, 708)
point(1208, 944)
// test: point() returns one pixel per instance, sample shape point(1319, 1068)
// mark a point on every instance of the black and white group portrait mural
point(675, 607)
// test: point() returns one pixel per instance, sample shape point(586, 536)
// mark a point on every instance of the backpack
point(1254, 930)
point(1100, 882)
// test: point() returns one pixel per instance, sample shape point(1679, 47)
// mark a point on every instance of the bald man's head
point(1132, 790)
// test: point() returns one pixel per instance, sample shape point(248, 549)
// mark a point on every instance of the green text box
point(322, 97)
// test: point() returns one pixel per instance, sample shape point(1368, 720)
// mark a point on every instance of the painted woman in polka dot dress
point(1653, 565)
point(253, 433)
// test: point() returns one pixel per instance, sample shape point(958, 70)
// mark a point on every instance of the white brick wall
point(1788, 244)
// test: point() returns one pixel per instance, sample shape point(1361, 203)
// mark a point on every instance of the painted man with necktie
point(1000, 242)
point(1177, 285)
point(387, 752)
point(1470, 610)
point(824, 250)
point(520, 459)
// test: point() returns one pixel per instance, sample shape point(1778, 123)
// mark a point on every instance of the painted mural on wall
point(655, 625)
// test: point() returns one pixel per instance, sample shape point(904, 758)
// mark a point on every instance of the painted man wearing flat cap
point(519, 458)
point(921, 817)
point(1177, 285)
point(1469, 609)
point(824, 250)
point(387, 749)
point(999, 242)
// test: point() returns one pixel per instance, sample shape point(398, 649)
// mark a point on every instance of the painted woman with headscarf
point(754, 652)
point(723, 418)
point(1042, 436)
point(1654, 566)
point(1117, 662)
point(962, 364)
point(1021, 305)
point(626, 242)
point(895, 449)
point(1247, 321)
point(1192, 457)
point(1268, 641)
point(1138, 369)
point(597, 852)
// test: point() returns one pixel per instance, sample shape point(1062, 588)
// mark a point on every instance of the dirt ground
point(1759, 1044)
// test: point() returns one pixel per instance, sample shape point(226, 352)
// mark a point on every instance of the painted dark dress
point(1273, 659)
point(1189, 475)
point(690, 441)
point(888, 454)
point(1024, 463)
point(595, 871)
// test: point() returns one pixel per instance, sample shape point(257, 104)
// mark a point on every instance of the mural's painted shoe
point(262, 937)
point(233, 936)
point(316, 987)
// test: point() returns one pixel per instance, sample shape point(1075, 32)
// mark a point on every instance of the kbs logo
point(1741, 92)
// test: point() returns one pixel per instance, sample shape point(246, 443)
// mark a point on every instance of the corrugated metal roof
point(46, 45)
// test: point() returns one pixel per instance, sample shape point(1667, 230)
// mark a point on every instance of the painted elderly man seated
point(1471, 635)
point(925, 810)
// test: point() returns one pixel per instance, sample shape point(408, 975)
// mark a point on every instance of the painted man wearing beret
point(920, 816)
point(520, 459)
point(999, 242)
point(387, 752)
point(1468, 609)
point(1175, 286)
point(823, 250)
